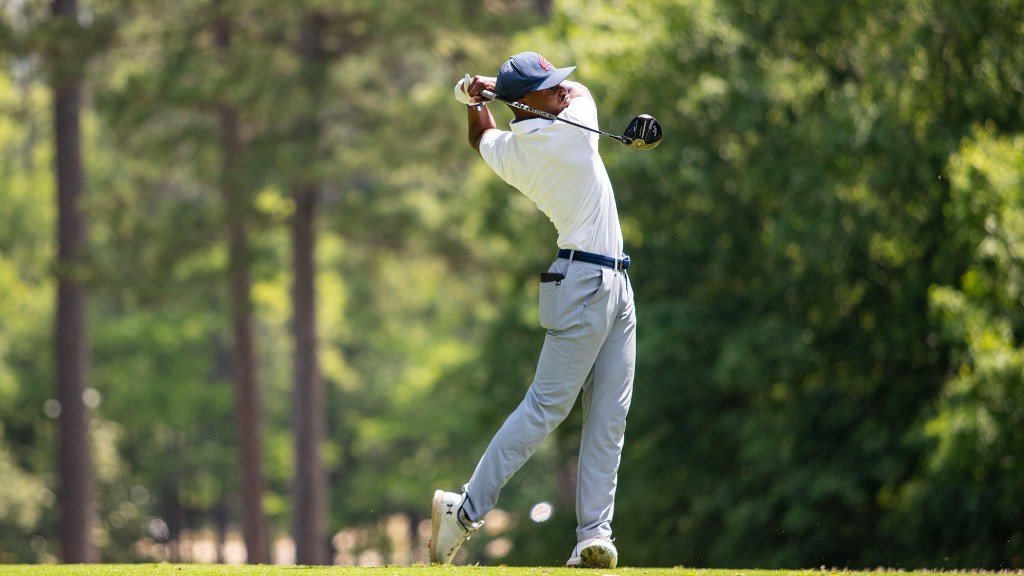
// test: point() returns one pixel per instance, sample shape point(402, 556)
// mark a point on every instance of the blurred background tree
point(827, 250)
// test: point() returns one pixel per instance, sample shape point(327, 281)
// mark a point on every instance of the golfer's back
point(558, 167)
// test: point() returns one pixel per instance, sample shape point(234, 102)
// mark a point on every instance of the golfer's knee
point(549, 408)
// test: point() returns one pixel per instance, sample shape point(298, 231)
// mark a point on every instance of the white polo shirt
point(557, 166)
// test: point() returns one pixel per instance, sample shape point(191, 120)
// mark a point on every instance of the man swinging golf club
point(586, 305)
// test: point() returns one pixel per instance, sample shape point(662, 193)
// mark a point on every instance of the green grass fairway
point(219, 570)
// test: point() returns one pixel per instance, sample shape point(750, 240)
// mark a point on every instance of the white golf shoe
point(594, 553)
point(447, 530)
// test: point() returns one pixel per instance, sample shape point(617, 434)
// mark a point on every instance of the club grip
point(488, 94)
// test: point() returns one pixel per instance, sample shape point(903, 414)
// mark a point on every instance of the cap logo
point(545, 64)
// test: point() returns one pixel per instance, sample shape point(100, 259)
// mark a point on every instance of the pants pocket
point(549, 308)
point(562, 303)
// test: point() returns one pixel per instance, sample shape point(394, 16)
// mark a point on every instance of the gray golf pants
point(590, 347)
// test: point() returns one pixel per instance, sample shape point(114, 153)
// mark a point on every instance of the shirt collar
point(529, 125)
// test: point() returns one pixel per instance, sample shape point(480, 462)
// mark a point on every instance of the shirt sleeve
point(491, 144)
point(581, 110)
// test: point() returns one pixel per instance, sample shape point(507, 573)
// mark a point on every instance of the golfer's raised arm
point(577, 90)
point(480, 121)
point(479, 117)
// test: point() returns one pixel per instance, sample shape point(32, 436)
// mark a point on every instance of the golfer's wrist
point(477, 106)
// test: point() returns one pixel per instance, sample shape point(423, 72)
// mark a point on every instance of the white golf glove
point(460, 91)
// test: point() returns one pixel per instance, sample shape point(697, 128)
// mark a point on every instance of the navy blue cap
point(526, 72)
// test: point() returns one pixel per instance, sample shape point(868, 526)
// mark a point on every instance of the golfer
point(586, 306)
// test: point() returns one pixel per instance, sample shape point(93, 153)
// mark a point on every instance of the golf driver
point(642, 133)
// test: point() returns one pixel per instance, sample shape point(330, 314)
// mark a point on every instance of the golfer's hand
point(477, 84)
point(460, 91)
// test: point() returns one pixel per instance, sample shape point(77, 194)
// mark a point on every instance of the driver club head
point(643, 133)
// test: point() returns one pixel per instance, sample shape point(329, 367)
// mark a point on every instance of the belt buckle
point(621, 265)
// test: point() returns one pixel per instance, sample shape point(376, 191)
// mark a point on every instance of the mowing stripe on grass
point(221, 570)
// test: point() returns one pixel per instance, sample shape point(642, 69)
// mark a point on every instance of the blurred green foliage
point(828, 247)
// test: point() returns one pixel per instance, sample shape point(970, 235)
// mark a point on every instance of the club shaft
point(550, 116)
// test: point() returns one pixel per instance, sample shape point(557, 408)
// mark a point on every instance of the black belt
point(607, 262)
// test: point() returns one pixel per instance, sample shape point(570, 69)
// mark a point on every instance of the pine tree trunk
point(75, 515)
point(247, 393)
point(310, 488)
